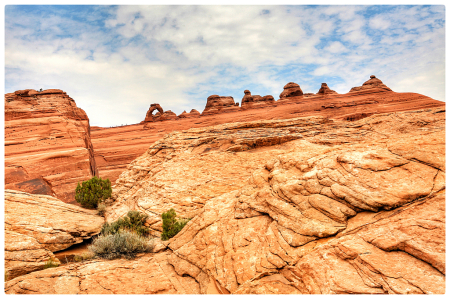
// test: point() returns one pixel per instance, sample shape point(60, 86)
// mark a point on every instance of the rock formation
point(193, 113)
point(329, 207)
point(149, 117)
point(373, 84)
point(315, 198)
point(38, 225)
point(324, 89)
point(216, 104)
point(116, 147)
point(48, 147)
point(254, 101)
point(291, 90)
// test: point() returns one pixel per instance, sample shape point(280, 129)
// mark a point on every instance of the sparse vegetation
point(6, 275)
point(84, 256)
point(91, 192)
point(133, 221)
point(172, 225)
point(124, 243)
point(51, 264)
point(101, 209)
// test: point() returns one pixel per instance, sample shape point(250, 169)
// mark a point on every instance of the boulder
point(291, 90)
point(31, 238)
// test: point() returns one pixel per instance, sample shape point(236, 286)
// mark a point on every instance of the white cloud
point(179, 55)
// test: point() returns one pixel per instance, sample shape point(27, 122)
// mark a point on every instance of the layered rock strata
point(330, 211)
point(116, 147)
point(38, 225)
point(329, 207)
point(48, 147)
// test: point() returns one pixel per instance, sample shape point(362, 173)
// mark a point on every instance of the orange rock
point(372, 84)
point(48, 148)
point(291, 90)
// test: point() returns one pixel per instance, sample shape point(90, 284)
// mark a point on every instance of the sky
point(115, 61)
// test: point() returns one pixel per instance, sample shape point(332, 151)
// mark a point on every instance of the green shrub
point(171, 225)
point(51, 264)
point(133, 221)
point(101, 209)
point(124, 243)
point(90, 193)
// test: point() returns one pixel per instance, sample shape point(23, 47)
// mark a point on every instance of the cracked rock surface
point(300, 206)
point(38, 225)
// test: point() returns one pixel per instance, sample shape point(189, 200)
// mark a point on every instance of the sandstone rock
point(48, 148)
point(116, 147)
point(149, 274)
point(324, 89)
point(316, 216)
point(256, 101)
point(218, 104)
point(372, 84)
point(330, 206)
point(149, 117)
point(291, 90)
point(52, 225)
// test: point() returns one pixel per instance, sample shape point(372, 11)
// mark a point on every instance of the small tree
point(90, 193)
point(171, 225)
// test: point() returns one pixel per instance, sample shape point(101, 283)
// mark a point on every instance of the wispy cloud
point(117, 60)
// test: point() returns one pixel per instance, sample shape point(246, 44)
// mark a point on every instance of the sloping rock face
point(324, 89)
point(48, 147)
point(329, 207)
point(116, 147)
point(37, 225)
point(345, 207)
point(149, 274)
point(373, 84)
point(291, 90)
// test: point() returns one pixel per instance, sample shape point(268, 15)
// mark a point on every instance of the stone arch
point(154, 107)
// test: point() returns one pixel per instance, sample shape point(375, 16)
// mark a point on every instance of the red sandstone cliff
point(48, 147)
point(116, 147)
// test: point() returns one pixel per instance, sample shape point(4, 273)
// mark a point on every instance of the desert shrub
point(51, 264)
point(91, 192)
point(101, 209)
point(171, 225)
point(84, 256)
point(6, 275)
point(124, 243)
point(133, 221)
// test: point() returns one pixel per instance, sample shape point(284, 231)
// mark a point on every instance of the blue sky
point(117, 60)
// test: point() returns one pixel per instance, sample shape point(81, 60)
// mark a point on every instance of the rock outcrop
point(116, 147)
point(149, 117)
point(217, 104)
point(193, 113)
point(148, 274)
point(324, 90)
point(373, 84)
point(333, 208)
point(291, 90)
point(256, 101)
point(38, 225)
point(48, 147)
point(329, 207)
